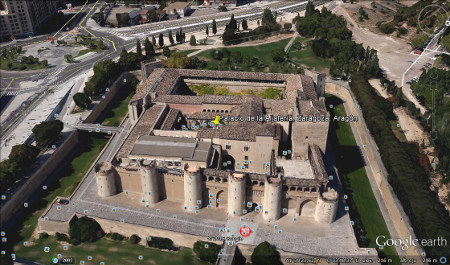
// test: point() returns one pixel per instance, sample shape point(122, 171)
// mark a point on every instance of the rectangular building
point(23, 17)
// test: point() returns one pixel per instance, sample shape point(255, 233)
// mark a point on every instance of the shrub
point(206, 251)
point(62, 237)
point(120, 237)
point(85, 229)
point(161, 243)
point(114, 236)
point(265, 254)
point(134, 239)
point(43, 235)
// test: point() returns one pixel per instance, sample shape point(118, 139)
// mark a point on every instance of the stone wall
point(114, 89)
point(37, 179)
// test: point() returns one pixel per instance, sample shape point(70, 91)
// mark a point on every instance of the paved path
point(288, 46)
point(396, 220)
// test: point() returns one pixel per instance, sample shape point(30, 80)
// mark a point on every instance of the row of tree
point(23, 156)
point(407, 177)
point(268, 26)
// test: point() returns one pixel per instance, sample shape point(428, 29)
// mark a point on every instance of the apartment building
point(23, 17)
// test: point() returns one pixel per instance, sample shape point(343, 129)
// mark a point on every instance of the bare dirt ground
point(395, 54)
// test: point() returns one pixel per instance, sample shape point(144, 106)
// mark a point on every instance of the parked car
point(418, 52)
point(61, 201)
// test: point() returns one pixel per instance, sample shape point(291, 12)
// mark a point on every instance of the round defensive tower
point(149, 181)
point(327, 205)
point(192, 188)
point(236, 194)
point(105, 176)
point(273, 189)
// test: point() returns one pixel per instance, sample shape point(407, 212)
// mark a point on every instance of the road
point(115, 42)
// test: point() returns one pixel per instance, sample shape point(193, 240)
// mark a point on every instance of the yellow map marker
point(216, 121)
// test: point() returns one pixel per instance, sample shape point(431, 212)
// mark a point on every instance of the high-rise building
point(22, 17)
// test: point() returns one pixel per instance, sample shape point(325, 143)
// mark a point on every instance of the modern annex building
point(262, 155)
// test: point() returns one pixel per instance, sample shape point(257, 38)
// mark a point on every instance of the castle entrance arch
point(218, 198)
point(307, 208)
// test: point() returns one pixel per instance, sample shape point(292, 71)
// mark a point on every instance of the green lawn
point(83, 52)
point(262, 52)
point(364, 209)
point(108, 251)
point(62, 185)
point(307, 58)
point(119, 110)
point(303, 57)
point(16, 66)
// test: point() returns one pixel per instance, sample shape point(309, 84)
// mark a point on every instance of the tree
point(85, 229)
point(171, 38)
point(69, 58)
point(44, 63)
point(161, 40)
point(223, 8)
point(278, 55)
point(134, 239)
point(149, 50)
point(206, 251)
point(265, 254)
point(183, 37)
point(24, 59)
point(287, 26)
point(139, 48)
point(162, 5)
point(166, 51)
point(233, 23)
point(9, 65)
point(24, 154)
point(268, 18)
point(177, 37)
point(128, 60)
point(82, 100)
point(154, 41)
point(207, 30)
point(446, 42)
point(123, 19)
point(214, 27)
point(244, 24)
point(177, 60)
point(193, 41)
point(47, 132)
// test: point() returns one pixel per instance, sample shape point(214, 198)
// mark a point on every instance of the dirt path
point(394, 54)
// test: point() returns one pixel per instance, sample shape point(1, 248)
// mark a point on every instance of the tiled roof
point(241, 131)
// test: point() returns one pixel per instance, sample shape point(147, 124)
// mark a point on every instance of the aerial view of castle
point(176, 152)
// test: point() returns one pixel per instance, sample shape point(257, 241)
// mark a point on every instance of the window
point(228, 146)
point(246, 148)
point(246, 158)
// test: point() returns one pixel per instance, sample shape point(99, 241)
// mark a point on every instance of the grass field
point(262, 52)
point(108, 251)
point(16, 66)
point(306, 57)
point(350, 164)
point(118, 111)
point(83, 52)
point(62, 185)
point(303, 57)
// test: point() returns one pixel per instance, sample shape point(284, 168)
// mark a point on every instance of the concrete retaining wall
point(37, 179)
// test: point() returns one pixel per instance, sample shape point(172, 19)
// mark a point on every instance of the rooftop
point(188, 149)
